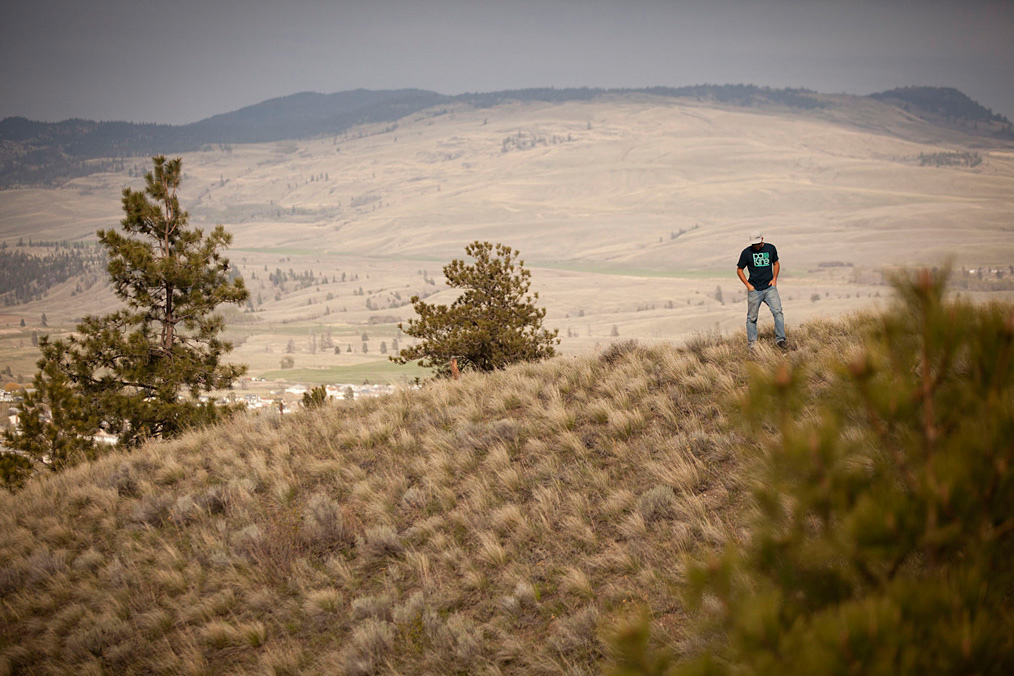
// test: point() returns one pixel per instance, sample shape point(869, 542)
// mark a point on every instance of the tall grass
point(495, 524)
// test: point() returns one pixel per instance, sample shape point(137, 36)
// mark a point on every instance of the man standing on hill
point(762, 287)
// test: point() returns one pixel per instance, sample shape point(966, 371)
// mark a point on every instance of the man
point(762, 287)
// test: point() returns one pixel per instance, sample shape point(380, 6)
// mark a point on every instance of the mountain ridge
point(47, 152)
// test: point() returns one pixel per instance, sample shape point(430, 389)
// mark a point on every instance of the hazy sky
point(183, 60)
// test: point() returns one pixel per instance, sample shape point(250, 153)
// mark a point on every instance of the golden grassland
point(499, 524)
point(630, 211)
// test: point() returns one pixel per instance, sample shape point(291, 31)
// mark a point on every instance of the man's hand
point(749, 287)
point(774, 282)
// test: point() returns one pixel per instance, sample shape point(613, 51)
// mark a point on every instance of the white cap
point(756, 237)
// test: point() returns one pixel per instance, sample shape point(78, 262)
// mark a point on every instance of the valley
point(629, 210)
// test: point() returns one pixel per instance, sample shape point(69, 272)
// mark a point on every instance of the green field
point(380, 371)
point(626, 271)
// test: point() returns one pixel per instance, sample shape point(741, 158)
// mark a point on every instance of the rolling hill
point(496, 524)
point(33, 152)
point(629, 207)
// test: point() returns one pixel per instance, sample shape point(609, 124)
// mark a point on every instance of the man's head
point(756, 239)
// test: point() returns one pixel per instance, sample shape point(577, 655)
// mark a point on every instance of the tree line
point(25, 277)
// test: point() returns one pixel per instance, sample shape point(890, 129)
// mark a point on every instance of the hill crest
point(496, 522)
point(46, 152)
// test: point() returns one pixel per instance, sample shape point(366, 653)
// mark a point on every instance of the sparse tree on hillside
point(315, 398)
point(494, 323)
point(142, 368)
point(60, 438)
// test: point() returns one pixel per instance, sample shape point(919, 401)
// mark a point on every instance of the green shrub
point(315, 398)
point(493, 323)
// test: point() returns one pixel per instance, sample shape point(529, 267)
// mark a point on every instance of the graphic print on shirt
point(761, 259)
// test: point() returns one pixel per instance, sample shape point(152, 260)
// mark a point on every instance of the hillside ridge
point(39, 152)
point(491, 524)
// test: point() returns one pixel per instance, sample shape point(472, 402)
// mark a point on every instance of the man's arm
point(742, 278)
point(774, 271)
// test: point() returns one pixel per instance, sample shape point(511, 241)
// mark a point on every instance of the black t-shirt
point(760, 263)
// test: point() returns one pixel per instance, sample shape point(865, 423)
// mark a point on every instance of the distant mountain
point(51, 152)
point(307, 114)
point(47, 152)
point(949, 107)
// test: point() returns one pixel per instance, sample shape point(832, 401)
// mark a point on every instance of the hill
point(947, 106)
point(50, 153)
point(495, 524)
point(628, 208)
point(45, 152)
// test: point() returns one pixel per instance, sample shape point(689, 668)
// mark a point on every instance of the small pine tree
point(493, 324)
point(315, 398)
point(56, 423)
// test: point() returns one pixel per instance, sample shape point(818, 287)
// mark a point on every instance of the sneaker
point(783, 344)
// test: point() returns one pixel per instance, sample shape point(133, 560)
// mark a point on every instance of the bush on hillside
point(884, 533)
point(315, 398)
point(493, 324)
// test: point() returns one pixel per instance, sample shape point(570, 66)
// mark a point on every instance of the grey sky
point(181, 61)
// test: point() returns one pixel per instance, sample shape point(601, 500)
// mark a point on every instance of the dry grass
point(495, 524)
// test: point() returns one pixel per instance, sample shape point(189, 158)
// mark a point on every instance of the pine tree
point(494, 323)
point(56, 423)
point(141, 369)
point(315, 398)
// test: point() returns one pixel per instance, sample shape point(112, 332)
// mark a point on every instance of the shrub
point(315, 398)
point(493, 324)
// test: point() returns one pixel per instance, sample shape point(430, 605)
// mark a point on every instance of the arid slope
point(631, 211)
point(496, 524)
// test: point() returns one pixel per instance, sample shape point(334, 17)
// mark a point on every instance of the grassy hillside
point(497, 524)
point(44, 152)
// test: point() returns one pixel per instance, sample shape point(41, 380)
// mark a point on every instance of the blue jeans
point(753, 302)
